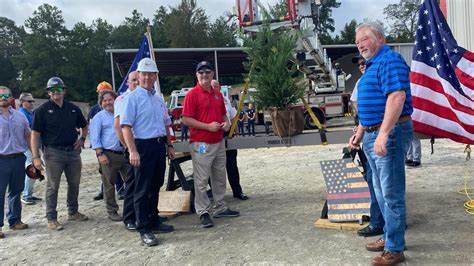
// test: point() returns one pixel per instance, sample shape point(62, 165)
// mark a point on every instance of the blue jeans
point(414, 152)
point(251, 127)
point(240, 125)
point(376, 217)
point(184, 132)
point(29, 182)
point(388, 176)
point(12, 172)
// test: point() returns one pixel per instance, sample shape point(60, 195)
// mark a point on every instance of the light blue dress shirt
point(12, 132)
point(118, 103)
point(146, 113)
point(102, 132)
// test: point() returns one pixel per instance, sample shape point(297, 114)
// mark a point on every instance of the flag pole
point(152, 56)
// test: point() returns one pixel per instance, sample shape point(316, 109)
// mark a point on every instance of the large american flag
point(143, 51)
point(442, 79)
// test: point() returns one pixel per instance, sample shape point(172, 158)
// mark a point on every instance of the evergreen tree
point(403, 20)
point(44, 49)
point(188, 25)
point(325, 23)
point(274, 74)
point(11, 38)
point(221, 34)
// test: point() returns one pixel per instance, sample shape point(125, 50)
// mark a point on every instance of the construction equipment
point(325, 93)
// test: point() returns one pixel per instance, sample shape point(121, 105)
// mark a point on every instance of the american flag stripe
point(354, 195)
point(350, 206)
point(424, 73)
point(343, 201)
point(442, 79)
point(349, 210)
point(357, 184)
point(344, 217)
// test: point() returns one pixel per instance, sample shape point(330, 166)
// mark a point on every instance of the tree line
point(44, 47)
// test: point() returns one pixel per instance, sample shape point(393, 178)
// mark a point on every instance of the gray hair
point(374, 27)
point(24, 95)
point(6, 89)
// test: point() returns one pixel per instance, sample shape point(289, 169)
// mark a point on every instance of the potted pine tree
point(270, 53)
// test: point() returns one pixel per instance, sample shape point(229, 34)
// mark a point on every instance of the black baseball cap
point(204, 65)
point(356, 59)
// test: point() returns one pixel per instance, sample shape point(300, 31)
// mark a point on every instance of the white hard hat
point(147, 65)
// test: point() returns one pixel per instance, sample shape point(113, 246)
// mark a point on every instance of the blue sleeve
point(394, 75)
point(95, 132)
point(129, 111)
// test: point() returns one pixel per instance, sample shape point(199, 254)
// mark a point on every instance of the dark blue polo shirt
point(386, 72)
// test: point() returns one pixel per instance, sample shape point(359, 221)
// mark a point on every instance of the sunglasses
point(5, 95)
point(56, 89)
point(30, 101)
point(361, 64)
point(201, 72)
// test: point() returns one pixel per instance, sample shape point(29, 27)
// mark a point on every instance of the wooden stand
point(350, 226)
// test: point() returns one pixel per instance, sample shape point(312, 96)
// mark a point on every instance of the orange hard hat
point(104, 86)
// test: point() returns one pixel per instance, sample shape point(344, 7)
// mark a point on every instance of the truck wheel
point(308, 121)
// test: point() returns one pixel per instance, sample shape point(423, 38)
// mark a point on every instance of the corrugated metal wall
point(460, 17)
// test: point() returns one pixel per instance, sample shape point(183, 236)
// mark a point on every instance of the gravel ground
point(287, 193)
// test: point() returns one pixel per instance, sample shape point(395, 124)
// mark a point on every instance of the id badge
point(202, 148)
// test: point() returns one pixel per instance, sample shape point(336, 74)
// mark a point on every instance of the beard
point(4, 103)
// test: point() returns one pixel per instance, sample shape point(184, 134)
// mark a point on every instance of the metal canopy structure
point(228, 61)
point(182, 61)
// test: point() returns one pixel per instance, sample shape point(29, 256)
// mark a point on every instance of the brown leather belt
point(401, 120)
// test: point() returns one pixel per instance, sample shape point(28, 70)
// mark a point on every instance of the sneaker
point(408, 162)
point(36, 198)
point(28, 201)
point(227, 213)
point(77, 217)
point(206, 221)
point(19, 226)
point(415, 164)
point(114, 216)
point(54, 225)
point(1, 233)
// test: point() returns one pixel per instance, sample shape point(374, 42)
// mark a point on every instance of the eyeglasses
point(201, 72)
point(5, 96)
point(56, 89)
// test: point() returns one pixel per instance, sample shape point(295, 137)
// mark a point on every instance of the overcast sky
point(114, 11)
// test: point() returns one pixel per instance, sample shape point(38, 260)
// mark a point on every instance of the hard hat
point(55, 82)
point(147, 65)
point(104, 86)
point(34, 173)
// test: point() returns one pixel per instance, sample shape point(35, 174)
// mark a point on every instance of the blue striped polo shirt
point(386, 72)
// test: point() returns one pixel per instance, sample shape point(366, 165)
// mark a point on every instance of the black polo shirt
point(58, 125)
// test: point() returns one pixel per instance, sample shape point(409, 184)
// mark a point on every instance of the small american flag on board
point(348, 193)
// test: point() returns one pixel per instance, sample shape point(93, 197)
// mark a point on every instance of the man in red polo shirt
point(205, 114)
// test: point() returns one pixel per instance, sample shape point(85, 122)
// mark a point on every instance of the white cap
point(147, 65)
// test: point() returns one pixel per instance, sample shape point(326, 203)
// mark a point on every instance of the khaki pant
point(117, 164)
point(210, 163)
